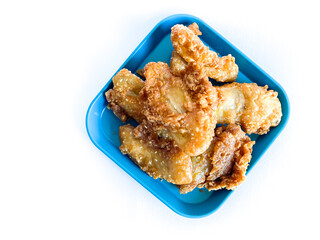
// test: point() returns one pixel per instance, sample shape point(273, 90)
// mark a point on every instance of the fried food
point(124, 97)
point(177, 64)
point(178, 109)
point(201, 166)
point(231, 156)
point(255, 108)
point(195, 29)
point(185, 107)
point(158, 158)
point(191, 49)
point(224, 163)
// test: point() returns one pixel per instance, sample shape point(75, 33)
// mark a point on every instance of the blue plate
point(103, 126)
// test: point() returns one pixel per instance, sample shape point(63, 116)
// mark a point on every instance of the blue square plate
point(103, 126)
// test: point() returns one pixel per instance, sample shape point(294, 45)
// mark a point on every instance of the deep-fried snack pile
point(178, 108)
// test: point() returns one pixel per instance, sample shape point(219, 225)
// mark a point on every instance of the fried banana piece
point(231, 154)
point(123, 99)
point(185, 107)
point(224, 163)
point(191, 49)
point(255, 108)
point(177, 64)
point(157, 160)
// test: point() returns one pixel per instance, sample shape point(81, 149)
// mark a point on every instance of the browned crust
point(124, 99)
point(177, 64)
point(195, 29)
point(194, 124)
point(182, 146)
point(158, 158)
point(224, 163)
point(190, 48)
point(254, 116)
point(260, 110)
point(237, 176)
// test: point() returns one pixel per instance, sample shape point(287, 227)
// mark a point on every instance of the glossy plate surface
point(103, 126)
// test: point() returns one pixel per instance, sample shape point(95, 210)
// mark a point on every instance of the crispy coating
point(201, 166)
point(224, 163)
point(230, 159)
point(189, 46)
point(177, 64)
point(255, 108)
point(191, 49)
point(158, 158)
point(224, 69)
point(178, 108)
point(229, 139)
point(195, 29)
point(185, 107)
point(123, 99)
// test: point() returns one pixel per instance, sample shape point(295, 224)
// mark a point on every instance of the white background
point(55, 56)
